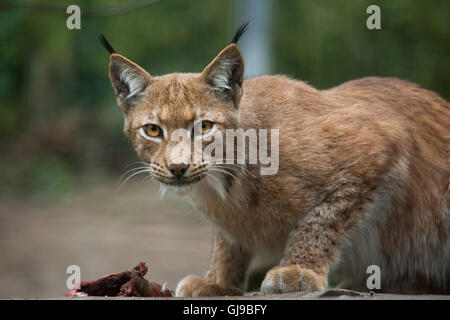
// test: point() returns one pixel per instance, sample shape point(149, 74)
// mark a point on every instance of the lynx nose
point(178, 169)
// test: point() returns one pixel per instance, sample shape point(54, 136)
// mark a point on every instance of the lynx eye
point(152, 130)
point(206, 126)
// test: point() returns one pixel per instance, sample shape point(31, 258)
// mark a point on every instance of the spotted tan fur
point(363, 176)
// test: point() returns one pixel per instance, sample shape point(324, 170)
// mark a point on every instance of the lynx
point(363, 175)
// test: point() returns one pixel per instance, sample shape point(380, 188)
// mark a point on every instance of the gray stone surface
point(334, 294)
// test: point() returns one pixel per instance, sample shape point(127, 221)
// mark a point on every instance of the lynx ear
point(128, 79)
point(225, 73)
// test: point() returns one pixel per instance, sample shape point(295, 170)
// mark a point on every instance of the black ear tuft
point(240, 32)
point(106, 44)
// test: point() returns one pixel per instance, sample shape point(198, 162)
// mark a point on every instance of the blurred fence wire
point(97, 11)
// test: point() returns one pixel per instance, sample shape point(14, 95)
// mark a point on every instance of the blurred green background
point(58, 119)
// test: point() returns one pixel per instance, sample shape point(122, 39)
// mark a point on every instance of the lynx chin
point(363, 175)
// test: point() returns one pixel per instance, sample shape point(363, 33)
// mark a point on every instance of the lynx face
point(171, 119)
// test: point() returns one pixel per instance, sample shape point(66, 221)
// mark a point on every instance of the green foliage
point(58, 117)
point(43, 174)
point(326, 42)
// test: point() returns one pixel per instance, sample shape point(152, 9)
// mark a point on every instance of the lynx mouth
point(181, 182)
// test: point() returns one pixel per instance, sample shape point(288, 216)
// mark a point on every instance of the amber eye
point(152, 130)
point(206, 126)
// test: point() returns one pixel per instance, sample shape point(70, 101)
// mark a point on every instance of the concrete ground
point(332, 294)
point(102, 231)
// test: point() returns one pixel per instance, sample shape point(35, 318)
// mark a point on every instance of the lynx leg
point(312, 248)
point(225, 276)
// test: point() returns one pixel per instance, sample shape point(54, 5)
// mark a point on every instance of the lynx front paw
point(292, 278)
point(193, 286)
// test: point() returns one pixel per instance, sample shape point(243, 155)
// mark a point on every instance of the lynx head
point(165, 116)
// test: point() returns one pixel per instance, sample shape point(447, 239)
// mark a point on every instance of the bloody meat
point(129, 283)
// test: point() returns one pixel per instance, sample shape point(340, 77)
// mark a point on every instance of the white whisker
point(130, 171)
point(224, 171)
point(136, 173)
